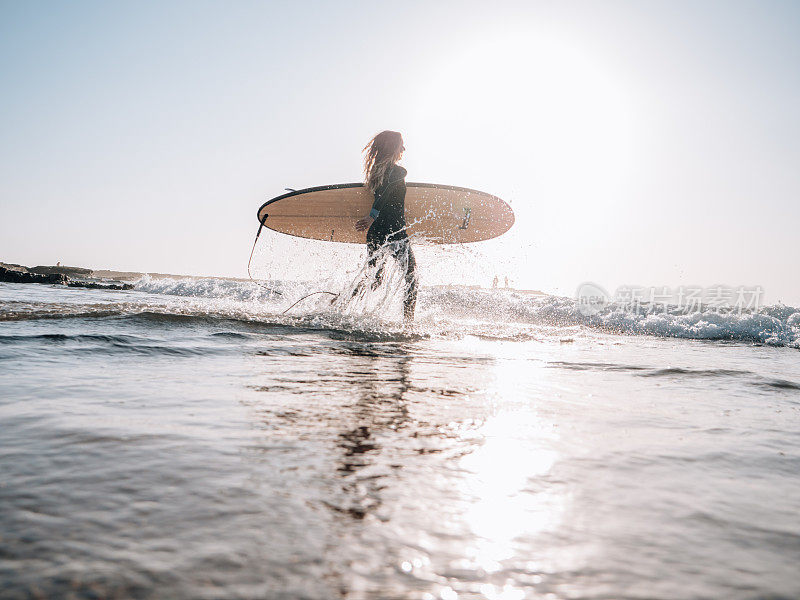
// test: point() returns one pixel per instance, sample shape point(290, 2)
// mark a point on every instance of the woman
point(386, 222)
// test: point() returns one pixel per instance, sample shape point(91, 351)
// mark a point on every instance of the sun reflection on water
point(503, 504)
point(503, 487)
point(496, 536)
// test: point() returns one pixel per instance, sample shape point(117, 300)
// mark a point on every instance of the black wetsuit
point(389, 229)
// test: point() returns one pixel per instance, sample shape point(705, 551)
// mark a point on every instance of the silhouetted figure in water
point(386, 222)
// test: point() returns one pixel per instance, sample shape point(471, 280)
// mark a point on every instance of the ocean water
point(186, 439)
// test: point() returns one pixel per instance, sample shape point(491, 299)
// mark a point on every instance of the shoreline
point(84, 272)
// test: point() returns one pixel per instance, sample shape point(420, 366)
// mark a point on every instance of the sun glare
point(536, 115)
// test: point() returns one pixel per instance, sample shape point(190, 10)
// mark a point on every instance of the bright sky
point(643, 143)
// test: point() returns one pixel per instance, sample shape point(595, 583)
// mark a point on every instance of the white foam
point(245, 291)
point(774, 325)
point(499, 311)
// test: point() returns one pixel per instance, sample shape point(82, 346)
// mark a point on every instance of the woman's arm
point(364, 223)
point(393, 192)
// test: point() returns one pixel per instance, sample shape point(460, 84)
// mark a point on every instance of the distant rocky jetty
point(58, 269)
point(58, 275)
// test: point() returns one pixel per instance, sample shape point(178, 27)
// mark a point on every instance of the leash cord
point(306, 296)
point(250, 275)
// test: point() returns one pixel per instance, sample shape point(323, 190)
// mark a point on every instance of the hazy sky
point(637, 142)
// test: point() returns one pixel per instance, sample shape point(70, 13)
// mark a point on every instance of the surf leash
point(307, 296)
point(255, 241)
point(250, 260)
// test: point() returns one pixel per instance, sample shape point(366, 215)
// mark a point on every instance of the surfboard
point(439, 214)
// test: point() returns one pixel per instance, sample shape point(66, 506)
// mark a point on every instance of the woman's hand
point(364, 223)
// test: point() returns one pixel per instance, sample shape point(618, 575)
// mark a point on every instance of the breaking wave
point(777, 325)
point(449, 311)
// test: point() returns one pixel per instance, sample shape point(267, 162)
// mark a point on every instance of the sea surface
point(186, 439)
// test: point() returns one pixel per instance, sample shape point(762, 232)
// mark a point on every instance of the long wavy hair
point(382, 151)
